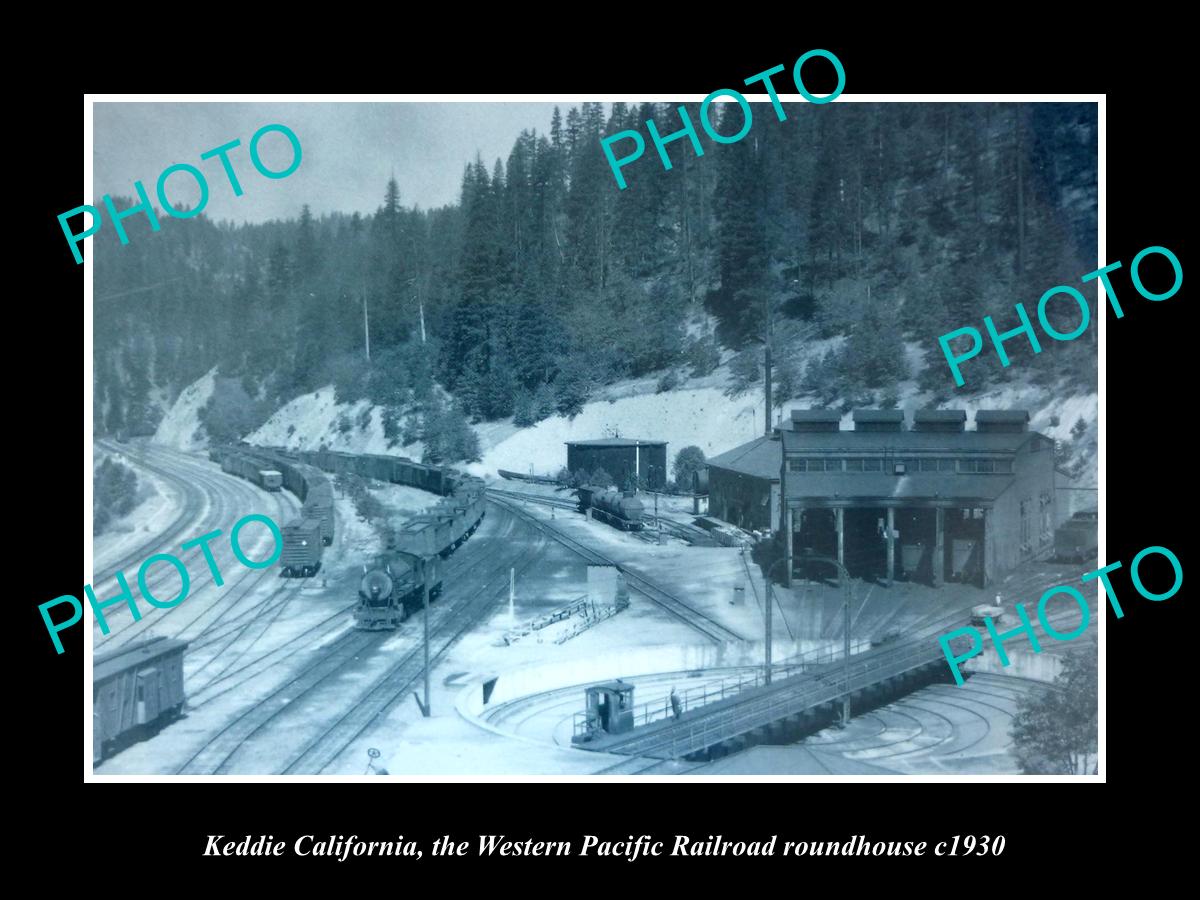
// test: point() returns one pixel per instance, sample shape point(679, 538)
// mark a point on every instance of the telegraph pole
point(769, 334)
point(366, 322)
point(844, 578)
point(425, 593)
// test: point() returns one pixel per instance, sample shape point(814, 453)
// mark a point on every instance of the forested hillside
point(881, 222)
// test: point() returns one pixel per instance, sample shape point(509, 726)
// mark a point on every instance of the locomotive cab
point(609, 710)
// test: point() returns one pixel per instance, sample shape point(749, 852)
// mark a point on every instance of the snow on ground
point(157, 504)
point(180, 427)
point(698, 413)
point(316, 418)
point(296, 616)
point(701, 416)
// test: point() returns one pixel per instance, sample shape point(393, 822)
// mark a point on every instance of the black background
point(1149, 456)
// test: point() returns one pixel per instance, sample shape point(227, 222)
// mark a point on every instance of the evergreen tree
point(1054, 730)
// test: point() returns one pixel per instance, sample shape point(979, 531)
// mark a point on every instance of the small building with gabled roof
point(743, 484)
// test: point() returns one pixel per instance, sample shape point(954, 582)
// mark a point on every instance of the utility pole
point(844, 578)
point(770, 598)
point(425, 592)
point(366, 322)
point(769, 333)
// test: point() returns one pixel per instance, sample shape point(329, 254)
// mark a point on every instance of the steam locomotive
point(393, 587)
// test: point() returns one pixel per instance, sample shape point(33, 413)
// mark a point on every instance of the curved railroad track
point(222, 498)
point(680, 609)
point(232, 746)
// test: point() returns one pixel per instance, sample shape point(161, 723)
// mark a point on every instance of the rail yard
point(467, 630)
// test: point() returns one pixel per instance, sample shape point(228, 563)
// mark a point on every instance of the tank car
point(621, 510)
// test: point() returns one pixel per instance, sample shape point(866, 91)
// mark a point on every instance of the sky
point(348, 152)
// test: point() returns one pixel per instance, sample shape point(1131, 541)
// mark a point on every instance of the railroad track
point(202, 697)
point(216, 492)
point(193, 498)
point(268, 611)
point(214, 756)
point(454, 622)
point(689, 533)
point(220, 752)
point(680, 609)
point(535, 498)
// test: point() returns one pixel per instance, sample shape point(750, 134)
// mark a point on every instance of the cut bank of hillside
point(700, 413)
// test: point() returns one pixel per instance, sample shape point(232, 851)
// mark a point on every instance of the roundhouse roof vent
point(878, 420)
point(816, 420)
point(1002, 420)
point(940, 420)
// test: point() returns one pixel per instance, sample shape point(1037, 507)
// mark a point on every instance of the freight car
point(621, 510)
point(252, 469)
point(464, 512)
point(318, 504)
point(307, 482)
point(1076, 540)
point(135, 691)
point(302, 546)
point(392, 589)
point(313, 489)
point(438, 533)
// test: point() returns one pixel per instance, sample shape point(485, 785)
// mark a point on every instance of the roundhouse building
point(621, 458)
point(743, 484)
point(933, 503)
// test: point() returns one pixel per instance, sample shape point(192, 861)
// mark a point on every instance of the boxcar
point(135, 690)
point(270, 479)
point(377, 467)
point(318, 504)
point(302, 543)
point(295, 480)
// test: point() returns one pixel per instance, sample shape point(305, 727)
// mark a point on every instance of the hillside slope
point(700, 413)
